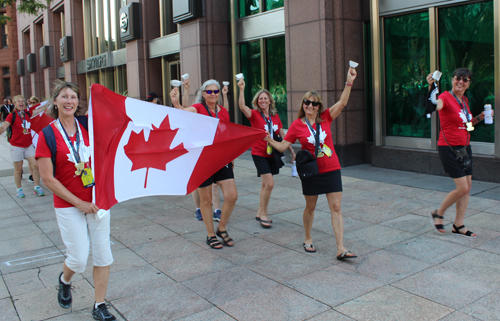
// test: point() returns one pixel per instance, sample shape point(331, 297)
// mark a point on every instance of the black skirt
point(329, 182)
point(450, 163)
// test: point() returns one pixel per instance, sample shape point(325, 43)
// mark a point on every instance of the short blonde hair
point(14, 100)
point(60, 85)
point(34, 99)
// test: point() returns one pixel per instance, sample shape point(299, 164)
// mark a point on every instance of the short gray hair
point(199, 94)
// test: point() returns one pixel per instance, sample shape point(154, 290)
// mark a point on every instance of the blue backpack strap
point(84, 121)
point(50, 139)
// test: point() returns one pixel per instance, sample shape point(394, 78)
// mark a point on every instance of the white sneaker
point(294, 171)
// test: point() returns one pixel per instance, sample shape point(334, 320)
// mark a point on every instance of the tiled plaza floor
point(163, 269)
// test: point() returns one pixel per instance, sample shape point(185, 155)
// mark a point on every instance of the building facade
point(10, 85)
point(288, 47)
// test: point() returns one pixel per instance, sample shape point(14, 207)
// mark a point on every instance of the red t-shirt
point(453, 121)
point(20, 139)
point(222, 113)
point(299, 130)
point(256, 120)
point(65, 169)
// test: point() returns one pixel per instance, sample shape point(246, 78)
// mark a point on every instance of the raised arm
point(38, 110)
point(241, 100)
point(225, 90)
point(174, 96)
point(185, 94)
point(336, 109)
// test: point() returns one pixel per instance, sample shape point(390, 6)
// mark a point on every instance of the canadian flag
point(143, 149)
point(39, 121)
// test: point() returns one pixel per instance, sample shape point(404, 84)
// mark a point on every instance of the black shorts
point(224, 173)
point(329, 182)
point(265, 165)
point(450, 163)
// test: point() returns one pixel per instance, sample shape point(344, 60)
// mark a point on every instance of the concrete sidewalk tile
point(8, 311)
point(21, 231)
point(286, 266)
point(492, 246)
point(486, 308)
point(164, 249)
point(85, 315)
point(410, 223)
point(476, 264)
point(484, 220)
point(42, 304)
point(23, 282)
point(123, 259)
point(296, 215)
point(143, 234)
point(375, 215)
point(324, 224)
point(481, 204)
point(281, 231)
point(445, 287)
point(283, 303)
point(30, 260)
point(378, 235)
point(249, 249)
point(385, 266)
point(24, 244)
point(129, 222)
point(136, 280)
point(335, 285)
point(209, 314)
point(391, 304)
point(181, 225)
point(15, 221)
point(458, 316)
point(13, 212)
point(4, 293)
point(483, 236)
point(228, 285)
point(193, 265)
point(427, 249)
point(164, 303)
point(330, 315)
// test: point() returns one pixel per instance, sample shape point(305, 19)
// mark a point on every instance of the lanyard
point(208, 110)
point(315, 134)
point(23, 117)
point(269, 123)
point(79, 138)
point(463, 106)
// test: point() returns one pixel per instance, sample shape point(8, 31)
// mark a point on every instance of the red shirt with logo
point(453, 121)
point(257, 121)
point(299, 130)
point(19, 138)
point(222, 113)
point(65, 169)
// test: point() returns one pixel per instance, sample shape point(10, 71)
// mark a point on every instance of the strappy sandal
point(468, 234)
point(344, 256)
point(225, 237)
point(309, 248)
point(214, 243)
point(434, 215)
point(258, 219)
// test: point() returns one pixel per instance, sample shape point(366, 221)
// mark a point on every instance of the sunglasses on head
point(216, 91)
point(307, 102)
point(464, 79)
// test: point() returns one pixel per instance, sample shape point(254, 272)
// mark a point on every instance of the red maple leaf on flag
point(156, 152)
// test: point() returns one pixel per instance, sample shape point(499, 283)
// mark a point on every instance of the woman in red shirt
point(263, 115)
point(21, 146)
point(206, 103)
point(71, 183)
point(311, 116)
point(456, 121)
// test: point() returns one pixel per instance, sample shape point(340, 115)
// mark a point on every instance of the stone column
point(321, 37)
point(49, 73)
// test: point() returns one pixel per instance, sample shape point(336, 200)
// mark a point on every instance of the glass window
point(469, 42)
point(276, 75)
point(6, 87)
point(5, 71)
point(167, 19)
point(274, 4)
point(407, 63)
point(252, 70)
point(248, 7)
point(4, 35)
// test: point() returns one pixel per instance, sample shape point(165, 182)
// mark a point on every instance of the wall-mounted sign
point(98, 62)
point(187, 9)
point(66, 48)
point(46, 57)
point(20, 67)
point(130, 22)
point(31, 62)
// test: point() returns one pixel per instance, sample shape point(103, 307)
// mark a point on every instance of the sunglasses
point(216, 91)
point(314, 103)
point(464, 79)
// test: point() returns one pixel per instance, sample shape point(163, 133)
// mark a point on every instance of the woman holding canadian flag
point(206, 103)
point(63, 156)
point(313, 130)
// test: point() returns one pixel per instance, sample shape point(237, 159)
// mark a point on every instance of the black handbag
point(461, 154)
point(307, 166)
point(277, 154)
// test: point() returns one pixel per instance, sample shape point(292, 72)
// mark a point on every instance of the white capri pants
point(78, 238)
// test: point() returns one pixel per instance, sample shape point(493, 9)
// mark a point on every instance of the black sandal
point(456, 231)
point(213, 242)
point(225, 237)
point(434, 215)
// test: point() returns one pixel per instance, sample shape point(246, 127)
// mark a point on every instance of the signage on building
point(31, 62)
point(130, 22)
point(187, 9)
point(66, 49)
point(20, 67)
point(46, 57)
point(98, 62)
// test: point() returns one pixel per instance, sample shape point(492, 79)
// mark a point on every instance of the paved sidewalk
point(163, 269)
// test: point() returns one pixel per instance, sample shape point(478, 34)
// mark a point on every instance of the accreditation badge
point(87, 178)
point(326, 150)
point(269, 149)
point(469, 126)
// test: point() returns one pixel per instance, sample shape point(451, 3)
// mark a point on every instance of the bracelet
point(348, 84)
point(478, 119)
